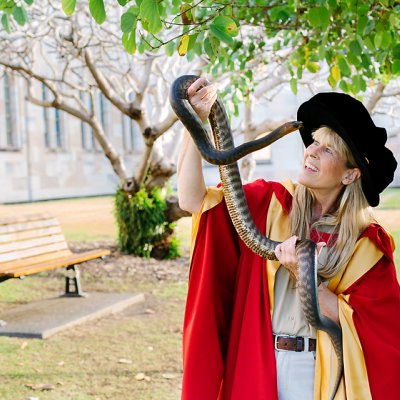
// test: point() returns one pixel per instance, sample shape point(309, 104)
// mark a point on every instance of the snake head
point(297, 124)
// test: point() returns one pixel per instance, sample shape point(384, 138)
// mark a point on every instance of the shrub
point(142, 227)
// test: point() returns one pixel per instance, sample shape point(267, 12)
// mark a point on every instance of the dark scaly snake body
point(225, 155)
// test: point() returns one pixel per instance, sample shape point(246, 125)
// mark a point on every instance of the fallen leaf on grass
point(142, 377)
point(40, 386)
point(149, 311)
point(124, 361)
point(61, 363)
point(169, 376)
point(24, 344)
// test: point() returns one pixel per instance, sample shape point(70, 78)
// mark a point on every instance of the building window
point(104, 113)
point(88, 138)
point(131, 138)
point(8, 135)
point(54, 134)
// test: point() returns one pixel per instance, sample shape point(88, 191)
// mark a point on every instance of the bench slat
point(25, 218)
point(31, 234)
point(15, 255)
point(30, 244)
point(22, 226)
point(64, 262)
point(35, 259)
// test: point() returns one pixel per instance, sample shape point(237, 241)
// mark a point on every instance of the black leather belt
point(292, 343)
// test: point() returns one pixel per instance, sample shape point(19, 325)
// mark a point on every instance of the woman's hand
point(286, 254)
point(202, 97)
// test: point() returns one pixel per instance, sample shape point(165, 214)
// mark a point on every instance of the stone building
point(47, 154)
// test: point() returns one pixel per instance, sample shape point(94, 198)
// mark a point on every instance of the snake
point(225, 154)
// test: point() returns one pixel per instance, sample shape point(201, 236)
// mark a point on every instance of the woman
point(245, 335)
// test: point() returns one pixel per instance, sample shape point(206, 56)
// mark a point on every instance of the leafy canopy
point(358, 40)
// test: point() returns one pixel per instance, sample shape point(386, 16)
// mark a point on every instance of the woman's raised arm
point(191, 185)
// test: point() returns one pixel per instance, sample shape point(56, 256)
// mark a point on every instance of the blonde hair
point(350, 217)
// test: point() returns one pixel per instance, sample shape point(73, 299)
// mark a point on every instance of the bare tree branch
point(376, 96)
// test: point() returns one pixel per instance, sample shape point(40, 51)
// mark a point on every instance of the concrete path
point(44, 318)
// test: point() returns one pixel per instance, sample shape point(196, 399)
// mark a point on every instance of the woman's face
point(323, 168)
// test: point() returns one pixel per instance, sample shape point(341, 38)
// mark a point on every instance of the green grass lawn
point(390, 199)
point(102, 359)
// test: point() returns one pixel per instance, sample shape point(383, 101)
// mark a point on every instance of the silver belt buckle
point(306, 343)
point(276, 341)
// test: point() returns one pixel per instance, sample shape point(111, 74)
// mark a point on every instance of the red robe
point(227, 342)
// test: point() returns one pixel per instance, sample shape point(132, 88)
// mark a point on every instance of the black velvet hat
point(351, 121)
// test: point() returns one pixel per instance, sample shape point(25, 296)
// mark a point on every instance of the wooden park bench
point(34, 243)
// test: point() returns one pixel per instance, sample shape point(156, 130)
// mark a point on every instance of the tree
point(75, 61)
point(359, 41)
point(250, 46)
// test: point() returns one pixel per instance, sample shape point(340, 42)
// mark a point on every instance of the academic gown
point(228, 351)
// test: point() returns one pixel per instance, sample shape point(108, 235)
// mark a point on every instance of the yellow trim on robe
point(356, 386)
point(213, 196)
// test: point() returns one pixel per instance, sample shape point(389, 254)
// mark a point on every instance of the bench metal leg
point(73, 278)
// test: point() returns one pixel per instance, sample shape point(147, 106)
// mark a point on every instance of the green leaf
point(6, 23)
point(369, 44)
point(332, 82)
point(299, 72)
point(68, 6)
point(394, 19)
point(123, 3)
point(365, 61)
point(378, 39)
point(224, 28)
point(358, 84)
point(344, 86)
point(208, 49)
point(29, 2)
point(396, 67)
point(344, 66)
point(313, 67)
point(293, 85)
point(332, 4)
point(192, 41)
point(129, 19)
point(170, 48)
point(362, 23)
point(97, 10)
point(386, 40)
point(396, 52)
point(150, 14)
point(354, 60)
point(355, 48)
point(319, 17)
point(129, 41)
point(19, 15)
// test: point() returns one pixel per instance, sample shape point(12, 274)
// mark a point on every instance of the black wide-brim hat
point(351, 121)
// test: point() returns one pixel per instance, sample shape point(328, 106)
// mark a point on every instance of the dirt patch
point(120, 265)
